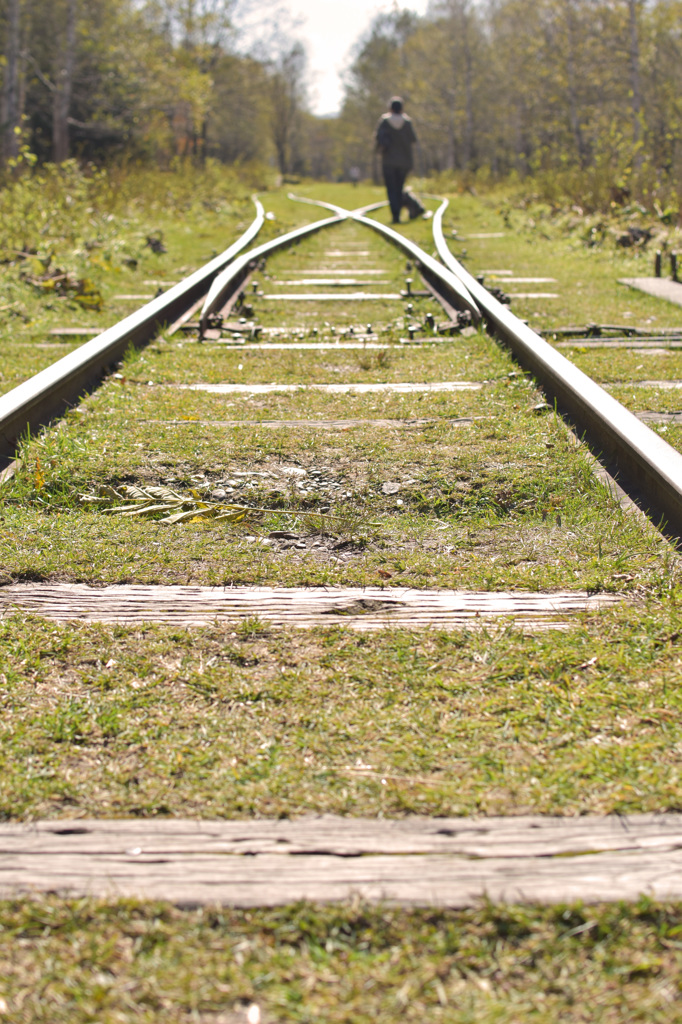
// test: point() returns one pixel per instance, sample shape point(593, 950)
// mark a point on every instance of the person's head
point(396, 105)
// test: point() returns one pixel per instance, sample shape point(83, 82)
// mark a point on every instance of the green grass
point(245, 722)
point(189, 362)
point(639, 399)
point(103, 238)
point(537, 244)
point(218, 722)
point(503, 502)
point(618, 366)
point(21, 360)
point(84, 961)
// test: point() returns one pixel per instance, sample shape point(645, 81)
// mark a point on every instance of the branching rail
point(47, 394)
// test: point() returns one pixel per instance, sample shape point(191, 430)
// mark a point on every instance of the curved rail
point(644, 458)
point(226, 281)
point(229, 279)
point(441, 277)
point(48, 393)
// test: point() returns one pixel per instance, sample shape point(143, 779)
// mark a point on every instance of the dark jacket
point(395, 144)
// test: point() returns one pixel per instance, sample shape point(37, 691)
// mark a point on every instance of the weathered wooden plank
point(430, 880)
point(659, 287)
point(361, 608)
point(330, 346)
point(323, 424)
point(653, 344)
point(508, 279)
point(328, 271)
point(336, 389)
point(660, 417)
point(335, 282)
point(76, 332)
point(533, 295)
point(439, 862)
point(498, 837)
point(662, 385)
point(331, 296)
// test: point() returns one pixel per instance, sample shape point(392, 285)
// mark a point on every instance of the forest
point(582, 96)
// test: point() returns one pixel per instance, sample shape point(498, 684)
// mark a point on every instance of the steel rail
point(227, 282)
point(47, 394)
point(640, 457)
point(440, 277)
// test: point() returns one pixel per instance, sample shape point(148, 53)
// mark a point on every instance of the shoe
point(414, 207)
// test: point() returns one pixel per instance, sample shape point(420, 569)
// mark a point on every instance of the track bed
point(379, 469)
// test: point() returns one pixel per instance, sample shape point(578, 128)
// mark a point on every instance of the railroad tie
point(360, 608)
point(442, 862)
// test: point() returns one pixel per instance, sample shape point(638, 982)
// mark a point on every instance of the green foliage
point(563, 92)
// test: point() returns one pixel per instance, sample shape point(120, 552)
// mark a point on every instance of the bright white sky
point(330, 28)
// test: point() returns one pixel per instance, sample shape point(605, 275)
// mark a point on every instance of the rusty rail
point(49, 393)
point(645, 464)
point(441, 278)
point(226, 283)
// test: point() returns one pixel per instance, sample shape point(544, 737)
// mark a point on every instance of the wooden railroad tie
point(323, 424)
point(333, 296)
point(360, 608)
point(442, 862)
point(337, 389)
point(659, 287)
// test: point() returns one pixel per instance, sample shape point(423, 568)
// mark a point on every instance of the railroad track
point(643, 463)
point(308, 323)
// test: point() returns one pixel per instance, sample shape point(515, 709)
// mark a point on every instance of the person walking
point(395, 138)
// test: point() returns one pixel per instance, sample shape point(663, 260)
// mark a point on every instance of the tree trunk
point(635, 80)
point(469, 152)
point(573, 115)
point(64, 89)
point(11, 111)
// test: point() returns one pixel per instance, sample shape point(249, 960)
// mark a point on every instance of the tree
point(377, 72)
point(11, 106)
point(287, 102)
point(63, 86)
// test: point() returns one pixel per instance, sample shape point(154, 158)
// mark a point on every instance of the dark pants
point(394, 178)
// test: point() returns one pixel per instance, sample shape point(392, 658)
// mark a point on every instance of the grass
point(503, 502)
point(102, 239)
point(185, 363)
point(148, 721)
point(215, 722)
point(84, 961)
point(20, 360)
point(617, 366)
point(538, 244)
point(650, 399)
